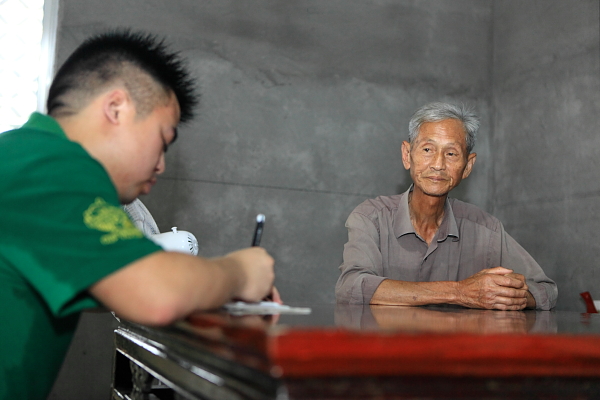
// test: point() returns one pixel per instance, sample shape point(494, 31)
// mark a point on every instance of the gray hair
point(435, 112)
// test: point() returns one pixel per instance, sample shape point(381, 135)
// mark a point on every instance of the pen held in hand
point(260, 221)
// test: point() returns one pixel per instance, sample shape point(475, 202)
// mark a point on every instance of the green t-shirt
point(61, 230)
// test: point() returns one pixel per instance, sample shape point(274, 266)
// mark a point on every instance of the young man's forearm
point(165, 286)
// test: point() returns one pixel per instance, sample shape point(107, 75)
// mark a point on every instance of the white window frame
point(44, 54)
point(48, 52)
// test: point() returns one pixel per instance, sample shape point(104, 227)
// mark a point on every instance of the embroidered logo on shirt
point(104, 217)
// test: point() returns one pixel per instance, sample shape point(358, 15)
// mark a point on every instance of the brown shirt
point(382, 243)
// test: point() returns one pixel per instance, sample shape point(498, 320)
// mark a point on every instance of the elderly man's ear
point(405, 150)
point(470, 162)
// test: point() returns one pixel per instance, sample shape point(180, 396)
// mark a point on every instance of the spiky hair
point(129, 57)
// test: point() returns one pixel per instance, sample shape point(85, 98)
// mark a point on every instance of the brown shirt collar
point(403, 226)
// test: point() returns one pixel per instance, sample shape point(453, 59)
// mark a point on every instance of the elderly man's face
point(438, 158)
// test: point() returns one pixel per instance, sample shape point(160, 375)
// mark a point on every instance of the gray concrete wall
point(546, 137)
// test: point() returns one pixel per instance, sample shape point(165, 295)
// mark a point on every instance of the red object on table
point(589, 302)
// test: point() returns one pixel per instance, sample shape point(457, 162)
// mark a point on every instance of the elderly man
point(65, 242)
point(421, 247)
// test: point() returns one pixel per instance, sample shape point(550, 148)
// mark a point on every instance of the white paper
point(263, 308)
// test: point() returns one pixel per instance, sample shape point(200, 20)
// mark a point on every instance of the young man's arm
point(165, 286)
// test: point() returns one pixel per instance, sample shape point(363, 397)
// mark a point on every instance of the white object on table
point(263, 308)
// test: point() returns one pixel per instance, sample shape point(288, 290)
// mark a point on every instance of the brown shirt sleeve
point(361, 271)
point(515, 257)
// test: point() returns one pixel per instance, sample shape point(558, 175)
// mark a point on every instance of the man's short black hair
point(127, 57)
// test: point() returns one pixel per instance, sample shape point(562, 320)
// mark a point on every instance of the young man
point(65, 242)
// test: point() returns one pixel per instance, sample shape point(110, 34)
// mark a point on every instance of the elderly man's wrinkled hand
point(519, 277)
point(495, 288)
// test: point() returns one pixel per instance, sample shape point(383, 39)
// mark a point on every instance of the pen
point(260, 221)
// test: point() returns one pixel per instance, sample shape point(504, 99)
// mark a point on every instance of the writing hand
point(274, 296)
point(255, 273)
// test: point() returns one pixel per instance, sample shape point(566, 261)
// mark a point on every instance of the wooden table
point(364, 352)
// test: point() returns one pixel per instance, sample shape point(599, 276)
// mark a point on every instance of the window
point(27, 40)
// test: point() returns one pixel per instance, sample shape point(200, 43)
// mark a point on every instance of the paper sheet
point(263, 308)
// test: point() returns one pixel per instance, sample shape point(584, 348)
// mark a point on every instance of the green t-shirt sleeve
point(67, 229)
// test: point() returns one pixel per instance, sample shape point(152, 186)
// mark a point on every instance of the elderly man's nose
point(439, 162)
